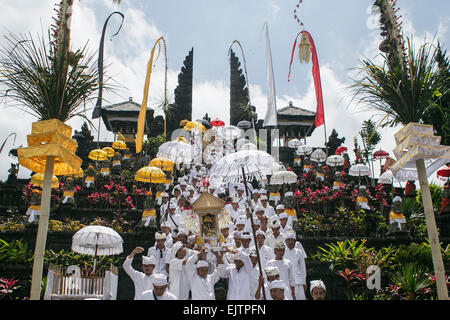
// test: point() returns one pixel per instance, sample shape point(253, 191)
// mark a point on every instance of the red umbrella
point(217, 123)
point(340, 150)
point(444, 173)
point(381, 154)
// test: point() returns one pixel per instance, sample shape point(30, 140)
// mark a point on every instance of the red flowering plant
point(26, 192)
point(7, 288)
point(94, 198)
point(380, 196)
point(129, 203)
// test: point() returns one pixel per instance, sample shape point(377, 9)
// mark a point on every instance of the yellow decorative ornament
point(50, 138)
point(181, 139)
point(150, 175)
point(119, 145)
point(162, 163)
point(184, 122)
point(304, 49)
point(109, 151)
point(194, 126)
point(98, 155)
point(38, 180)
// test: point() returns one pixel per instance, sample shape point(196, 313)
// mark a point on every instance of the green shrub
point(15, 252)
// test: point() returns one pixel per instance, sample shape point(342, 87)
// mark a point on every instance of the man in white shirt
point(201, 283)
point(255, 198)
point(159, 251)
point(284, 266)
point(142, 280)
point(265, 252)
point(174, 220)
point(197, 173)
point(297, 257)
point(246, 238)
point(239, 275)
point(276, 235)
point(279, 209)
point(235, 210)
point(159, 291)
point(286, 225)
point(269, 211)
point(164, 206)
point(271, 274)
point(178, 280)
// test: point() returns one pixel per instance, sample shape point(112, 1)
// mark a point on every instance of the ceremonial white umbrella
point(241, 141)
point(294, 143)
point(230, 132)
point(318, 156)
point(97, 241)
point(303, 150)
point(241, 166)
point(283, 177)
point(177, 152)
point(386, 178)
point(247, 146)
point(335, 160)
point(359, 170)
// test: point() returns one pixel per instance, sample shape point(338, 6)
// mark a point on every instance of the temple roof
point(291, 110)
point(123, 117)
point(127, 106)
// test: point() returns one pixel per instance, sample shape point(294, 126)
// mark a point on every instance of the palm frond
point(31, 76)
point(403, 94)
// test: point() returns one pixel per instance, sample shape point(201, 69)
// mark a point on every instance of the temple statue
point(84, 139)
point(396, 218)
point(334, 142)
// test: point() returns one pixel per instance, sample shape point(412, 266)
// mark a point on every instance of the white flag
point(271, 114)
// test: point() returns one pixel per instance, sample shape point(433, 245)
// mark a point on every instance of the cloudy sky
point(343, 32)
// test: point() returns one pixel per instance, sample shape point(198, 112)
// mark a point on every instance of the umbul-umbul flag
point(271, 114)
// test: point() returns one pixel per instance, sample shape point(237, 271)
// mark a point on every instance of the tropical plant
point(7, 288)
point(15, 252)
point(436, 195)
point(402, 91)
point(370, 138)
point(413, 281)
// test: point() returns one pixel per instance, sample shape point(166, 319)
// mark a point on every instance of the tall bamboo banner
point(143, 110)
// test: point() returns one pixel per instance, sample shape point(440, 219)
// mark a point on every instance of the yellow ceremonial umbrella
point(162, 163)
point(38, 180)
point(119, 145)
point(109, 151)
point(181, 139)
point(194, 125)
point(79, 174)
point(98, 155)
point(184, 122)
point(150, 175)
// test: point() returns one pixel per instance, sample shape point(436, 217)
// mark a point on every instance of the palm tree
point(410, 91)
point(405, 92)
point(50, 82)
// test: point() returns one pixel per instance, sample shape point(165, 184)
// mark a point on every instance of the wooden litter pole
point(41, 238)
point(253, 231)
point(438, 263)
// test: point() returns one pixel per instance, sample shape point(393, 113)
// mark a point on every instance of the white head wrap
point(279, 245)
point(317, 284)
point(291, 235)
point(259, 231)
point(276, 284)
point(201, 264)
point(160, 235)
point(148, 260)
point(280, 207)
point(272, 271)
point(283, 215)
point(159, 280)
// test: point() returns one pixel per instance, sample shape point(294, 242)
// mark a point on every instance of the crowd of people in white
point(179, 267)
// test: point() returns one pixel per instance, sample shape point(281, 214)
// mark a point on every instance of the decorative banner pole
point(143, 111)
point(306, 48)
point(50, 151)
point(416, 142)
